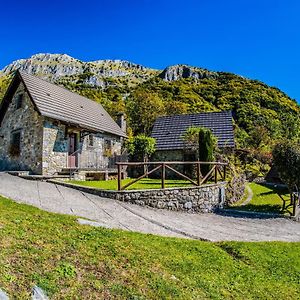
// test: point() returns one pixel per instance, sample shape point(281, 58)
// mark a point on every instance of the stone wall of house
point(56, 146)
point(97, 156)
point(205, 198)
point(29, 122)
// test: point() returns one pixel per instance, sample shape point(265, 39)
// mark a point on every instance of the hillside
point(262, 114)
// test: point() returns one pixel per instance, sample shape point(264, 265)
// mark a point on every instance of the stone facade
point(28, 122)
point(202, 199)
point(56, 146)
point(44, 142)
point(99, 155)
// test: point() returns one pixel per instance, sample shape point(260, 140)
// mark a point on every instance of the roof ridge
point(59, 103)
point(199, 113)
point(57, 86)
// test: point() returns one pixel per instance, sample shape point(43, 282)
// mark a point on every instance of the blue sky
point(256, 39)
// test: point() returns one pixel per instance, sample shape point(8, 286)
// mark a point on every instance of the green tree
point(143, 108)
point(140, 147)
point(286, 159)
point(201, 141)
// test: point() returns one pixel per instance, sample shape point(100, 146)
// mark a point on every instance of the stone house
point(44, 129)
point(168, 132)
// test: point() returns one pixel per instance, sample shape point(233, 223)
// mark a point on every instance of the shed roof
point(60, 104)
point(168, 130)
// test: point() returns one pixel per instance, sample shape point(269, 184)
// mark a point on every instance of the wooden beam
point(216, 173)
point(182, 175)
point(199, 175)
point(208, 175)
point(170, 163)
point(163, 175)
point(119, 178)
point(139, 178)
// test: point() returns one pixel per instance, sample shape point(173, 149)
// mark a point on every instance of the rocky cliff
point(57, 67)
point(100, 73)
point(179, 72)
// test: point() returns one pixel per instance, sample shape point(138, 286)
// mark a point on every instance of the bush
point(202, 143)
point(286, 157)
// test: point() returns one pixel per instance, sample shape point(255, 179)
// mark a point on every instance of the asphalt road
point(115, 214)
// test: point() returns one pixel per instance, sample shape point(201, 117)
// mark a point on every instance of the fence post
point(224, 172)
point(119, 177)
point(198, 173)
point(216, 173)
point(163, 175)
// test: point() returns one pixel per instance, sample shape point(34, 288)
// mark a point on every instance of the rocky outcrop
point(56, 67)
point(178, 72)
point(62, 68)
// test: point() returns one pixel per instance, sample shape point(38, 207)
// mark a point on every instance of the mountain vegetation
point(263, 115)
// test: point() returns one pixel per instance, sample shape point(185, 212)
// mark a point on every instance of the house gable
point(20, 131)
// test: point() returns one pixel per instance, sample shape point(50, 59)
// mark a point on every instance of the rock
point(38, 294)
point(188, 205)
point(3, 295)
point(178, 72)
point(91, 223)
point(54, 67)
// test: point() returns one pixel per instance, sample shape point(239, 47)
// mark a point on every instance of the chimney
point(121, 121)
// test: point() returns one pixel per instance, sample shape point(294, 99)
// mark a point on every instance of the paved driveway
point(115, 214)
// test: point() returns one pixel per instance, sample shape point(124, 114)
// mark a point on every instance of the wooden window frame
point(91, 140)
point(19, 101)
point(15, 143)
point(108, 147)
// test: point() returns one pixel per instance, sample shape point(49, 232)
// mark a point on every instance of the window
point(19, 101)
point(91, 140)
point(107, 148)
point(15, 144)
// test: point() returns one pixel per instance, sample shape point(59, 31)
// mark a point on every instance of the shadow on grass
point(275, 209)
point(227, 212)
point(260, 208)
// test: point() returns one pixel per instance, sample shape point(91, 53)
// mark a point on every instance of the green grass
point(265, 199)
point(71, 261)
point(146, 183)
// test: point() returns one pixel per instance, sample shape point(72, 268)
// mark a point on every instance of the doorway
point(73, 147)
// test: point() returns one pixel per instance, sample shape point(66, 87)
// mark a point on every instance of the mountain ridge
point(262, 114)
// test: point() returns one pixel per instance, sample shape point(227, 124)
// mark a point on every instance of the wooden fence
point(217, 169)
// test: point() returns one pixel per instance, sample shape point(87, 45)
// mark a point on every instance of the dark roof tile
point(60, 104)
point(168, 130)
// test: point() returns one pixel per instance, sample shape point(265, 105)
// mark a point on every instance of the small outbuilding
point(168, 132)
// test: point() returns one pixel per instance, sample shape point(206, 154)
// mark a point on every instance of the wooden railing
point(217, 169)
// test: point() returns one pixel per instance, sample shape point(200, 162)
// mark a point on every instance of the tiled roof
point(168, 130)
point(60, 104)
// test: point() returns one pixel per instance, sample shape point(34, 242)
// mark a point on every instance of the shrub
point(203, 143)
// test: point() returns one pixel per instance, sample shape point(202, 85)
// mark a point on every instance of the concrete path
point(249, 197)
point(116, 214)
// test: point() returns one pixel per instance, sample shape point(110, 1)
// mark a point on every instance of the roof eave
point(90, 128)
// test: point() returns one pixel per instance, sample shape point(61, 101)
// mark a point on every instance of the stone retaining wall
point(206, 198)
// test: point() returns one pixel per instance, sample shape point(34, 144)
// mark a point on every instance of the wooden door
point(72, 150)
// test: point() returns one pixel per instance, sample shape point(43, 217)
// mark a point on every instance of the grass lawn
point(72, 261)
point(145, 183)
point(265, 199)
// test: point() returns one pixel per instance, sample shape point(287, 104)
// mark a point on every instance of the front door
point(72, 150)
